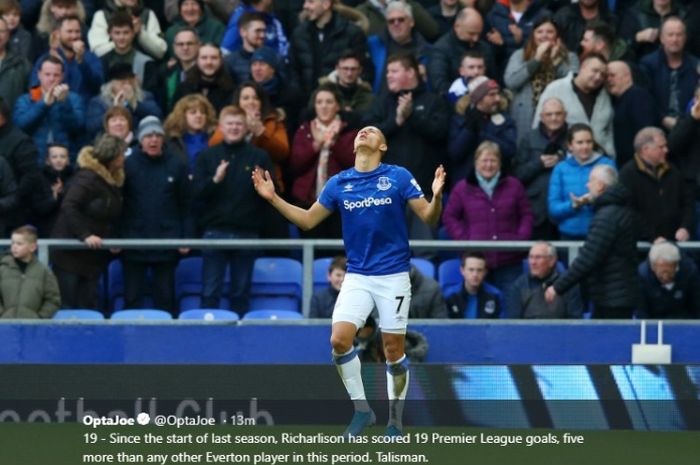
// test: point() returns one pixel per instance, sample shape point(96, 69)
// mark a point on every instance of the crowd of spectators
point(520, 100)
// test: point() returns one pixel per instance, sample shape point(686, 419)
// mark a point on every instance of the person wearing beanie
point(483, 119)
point(156, 205)
point(89, 213)
point(192, 14)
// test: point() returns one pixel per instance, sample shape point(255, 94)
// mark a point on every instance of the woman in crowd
point(189, 128)
point(488, 205)
point(531, 68)
point(117, 122)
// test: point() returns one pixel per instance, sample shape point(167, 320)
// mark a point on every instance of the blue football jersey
point(373, 211)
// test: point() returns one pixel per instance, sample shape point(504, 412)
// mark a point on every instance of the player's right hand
point(263, 183)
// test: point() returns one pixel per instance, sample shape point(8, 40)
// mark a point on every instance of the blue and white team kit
point(373, 211)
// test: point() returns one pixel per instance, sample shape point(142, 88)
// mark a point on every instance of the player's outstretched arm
point(429, 212)
point(305, 219)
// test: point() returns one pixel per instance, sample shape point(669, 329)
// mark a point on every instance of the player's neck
point(366, 160)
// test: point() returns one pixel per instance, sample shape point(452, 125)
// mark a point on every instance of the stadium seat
point(426, 267)
point(448, 273)
point(321, 272)
point(141, 314)
point(115, 284)
point(276, 284)
point(209, 314)
point(188, 278)
point(272, 315)
point(78, 314)
point(278, 302)
point(192, 302)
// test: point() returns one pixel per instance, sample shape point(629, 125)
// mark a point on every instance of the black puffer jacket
point(609, 257)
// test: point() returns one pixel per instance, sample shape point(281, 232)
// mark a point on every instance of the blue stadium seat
point(426, 267)
point(320, 273)
point(272, 315)
point(191, 302)
point(78, 314)
point(276, 281)
point(188, 278)
point(141, 314)
point(448, 273)
point(209, 314)
point(115, 284)
point(278, 302)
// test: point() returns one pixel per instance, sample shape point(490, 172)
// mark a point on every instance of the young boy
point(55, 176)
point(322, 302)
point(473, 65)
point(28, 289)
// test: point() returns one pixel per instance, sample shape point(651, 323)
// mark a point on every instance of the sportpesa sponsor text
point(366, 202)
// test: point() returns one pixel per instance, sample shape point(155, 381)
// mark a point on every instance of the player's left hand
point(439, 181)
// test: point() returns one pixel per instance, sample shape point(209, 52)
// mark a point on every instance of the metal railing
point(308, 248)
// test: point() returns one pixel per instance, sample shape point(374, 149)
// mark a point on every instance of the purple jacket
point(471, 215)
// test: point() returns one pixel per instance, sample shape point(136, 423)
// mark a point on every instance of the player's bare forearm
point(434, 210)
point(297, 215)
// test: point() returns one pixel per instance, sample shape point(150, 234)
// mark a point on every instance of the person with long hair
point(543, 59)
point(189, 128)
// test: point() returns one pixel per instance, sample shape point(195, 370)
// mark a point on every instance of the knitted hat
point(266, 55)
point(479, 87)
point(150, 125)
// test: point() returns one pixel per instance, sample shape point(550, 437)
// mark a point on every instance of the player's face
point(371, 138)
point(473, 271)
point(540, 261)
point(57, 158)
point(336, 277)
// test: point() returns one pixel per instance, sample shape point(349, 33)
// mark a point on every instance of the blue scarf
point(488, 185)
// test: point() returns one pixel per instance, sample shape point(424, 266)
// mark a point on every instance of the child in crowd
point(20, 39)
point(322, 302)
point(54, 179)
point(28, 288)
point(473, 65)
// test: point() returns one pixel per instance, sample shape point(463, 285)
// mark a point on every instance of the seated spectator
point(568, 203)
point(444, 13)
point(660, 195)
point(355, 93)
point(488, 205)
point(122, 89)
point(322, 147)
point(323, 301)
point(670, 285)
point(209, 77)
point(515, 21)
point(275, 36)
point(483, 120)
point(543, 59)
point(426, 296)
point(51, 14)
point(55, 179)
point(89, 212)
point(633, 106)
point(28, 288)
point(162, 79)
point(192, 14)
point(51, 112)
point(577, 15)
point(526, 296)
point(474, 298)
point(539, 152)
point(375, 12)
point(146, 26)
point(672, 72)
point(189, 128)
point(20, 40)
point(156, 205)
point(14, 68)
point(251, 28)
point(446, 55)
point(121, 32)
point(585, 100)
point(640, 25)
point(399, 36)
point(473, 66)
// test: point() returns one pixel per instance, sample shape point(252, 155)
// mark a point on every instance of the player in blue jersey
point(372, 200)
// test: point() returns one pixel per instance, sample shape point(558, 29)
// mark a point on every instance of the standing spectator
point(194, 15)
point(376, 11)
point(483, 120)
point(121, 32)
point(220, 9)
point(641, 23)
point(14, 68)
point(251, 28)
point(266, 71)
point(318, 41)
point(444, 13)
point(323, 301)
point(146, 27)
point(229, 208)
point(189, 128)
point(117, 122)
point(28, 288)
point(426, 297)
point(8, 196)
point(55, 179)
point(446, 55)
point(275, 36)
point(488, 205)
point(474, 297)
point(543, 59)
point(515, 21)
point(608, 258)
point(89, 212)
point(539, 152)
point(526, 297)
point(569, 205)
point(600, 38)
point(633, 106)
point(473, 66)
point(585, 100)
point(659, 194)
point(51, 112)
point(20, 40)
point(156, 206)
point(577, 16)
point(52, 12)
point(672, 72)
point(209, 77)
point(355, 93)
point(670, 285)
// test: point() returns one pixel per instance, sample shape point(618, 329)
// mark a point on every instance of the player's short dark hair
point(338, 263)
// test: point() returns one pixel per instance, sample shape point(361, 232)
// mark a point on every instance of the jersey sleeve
point(410, 189)
point(328, 197)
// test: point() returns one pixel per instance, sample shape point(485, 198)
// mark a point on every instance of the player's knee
point(393, 350)
point(340, 343)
